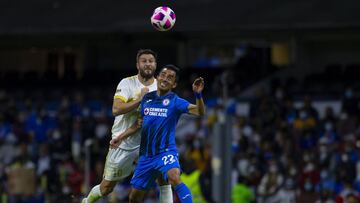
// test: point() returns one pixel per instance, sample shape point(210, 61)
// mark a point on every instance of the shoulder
point(172, 95)
point(180, 101)
point(128, 80)
point(150, 95)
point(176, 98)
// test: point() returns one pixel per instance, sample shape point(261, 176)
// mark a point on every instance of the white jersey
point(128, 90)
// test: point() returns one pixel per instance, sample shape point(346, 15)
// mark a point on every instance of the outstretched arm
point(115, 142)
point(199, 108)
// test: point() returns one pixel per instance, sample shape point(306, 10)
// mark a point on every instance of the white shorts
point(120, 163)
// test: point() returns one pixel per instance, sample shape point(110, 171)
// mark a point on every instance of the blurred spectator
point(241, 191)
point(271, 182)
point(287, 194)
point(352, 198)
point(198, 153)
point(350, 102)
point(348, 193)
point(325, 197)
point(191, 177)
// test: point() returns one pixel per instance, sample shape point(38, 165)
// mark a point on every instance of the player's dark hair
point(145, 51)
point(173, 68)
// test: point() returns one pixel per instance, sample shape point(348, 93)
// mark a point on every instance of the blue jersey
point(160, 116)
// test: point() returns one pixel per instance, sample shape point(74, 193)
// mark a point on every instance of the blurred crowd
point(42, 133)
point(45, 135)
point(281, 153)
point(284, 153)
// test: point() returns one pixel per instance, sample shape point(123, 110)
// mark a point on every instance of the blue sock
point(184, 193)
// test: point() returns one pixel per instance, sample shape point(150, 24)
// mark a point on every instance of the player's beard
point(147, 74)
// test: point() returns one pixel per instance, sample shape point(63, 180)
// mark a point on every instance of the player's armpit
point(193, 109)
point(196, 110)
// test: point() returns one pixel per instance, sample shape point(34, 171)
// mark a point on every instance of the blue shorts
point(149, 169)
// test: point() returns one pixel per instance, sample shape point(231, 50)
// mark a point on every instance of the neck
point(146, 81)
point(162, 92)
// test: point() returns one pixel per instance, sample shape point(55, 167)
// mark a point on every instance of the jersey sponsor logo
point(166, 102)
point(160, 112)
point(146, 111)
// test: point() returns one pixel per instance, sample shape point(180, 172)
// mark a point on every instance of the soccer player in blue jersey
point(160, 111)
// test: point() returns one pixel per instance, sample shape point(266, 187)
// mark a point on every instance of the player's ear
point(174, 85)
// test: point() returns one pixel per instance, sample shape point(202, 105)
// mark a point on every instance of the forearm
point(199, 108)
point(129, 132)
point(200, 104)
point(123, 108)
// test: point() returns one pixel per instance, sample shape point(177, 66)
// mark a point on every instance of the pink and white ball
point(163, 18)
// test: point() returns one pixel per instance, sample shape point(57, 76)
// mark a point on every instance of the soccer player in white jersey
point(120, 161)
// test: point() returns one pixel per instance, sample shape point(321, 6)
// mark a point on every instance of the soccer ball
point(163, 18)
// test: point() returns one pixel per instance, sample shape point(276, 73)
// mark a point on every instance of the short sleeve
point(182, 105)
point(122, 91)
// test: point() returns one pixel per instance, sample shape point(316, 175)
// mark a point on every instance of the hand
point(139, 122)
point(143, 92)
point(115, 142)
point(198, 85)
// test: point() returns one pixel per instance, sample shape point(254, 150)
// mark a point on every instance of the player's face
point(146, 65)
point(166, 79)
